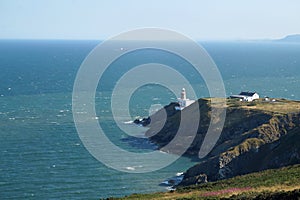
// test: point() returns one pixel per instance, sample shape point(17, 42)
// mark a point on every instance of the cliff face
point(256, 136)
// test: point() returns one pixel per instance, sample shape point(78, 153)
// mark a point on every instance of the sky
point(102, 19)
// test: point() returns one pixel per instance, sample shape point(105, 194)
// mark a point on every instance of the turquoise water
point(41, 154)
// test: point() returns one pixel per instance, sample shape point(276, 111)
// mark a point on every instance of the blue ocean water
point(41, 155)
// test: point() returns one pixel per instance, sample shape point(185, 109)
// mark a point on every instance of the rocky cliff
point(256, 136)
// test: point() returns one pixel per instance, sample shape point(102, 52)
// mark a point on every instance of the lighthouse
point(183, 101)
point(183, 94)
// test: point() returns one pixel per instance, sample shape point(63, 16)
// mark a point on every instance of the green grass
point(274, 182)
point(281, 106)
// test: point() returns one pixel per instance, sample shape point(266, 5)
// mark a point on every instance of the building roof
point(250, 94)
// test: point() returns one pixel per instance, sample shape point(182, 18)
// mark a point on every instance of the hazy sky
point(99, 19)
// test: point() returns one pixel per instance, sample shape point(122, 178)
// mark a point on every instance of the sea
point(41, 154)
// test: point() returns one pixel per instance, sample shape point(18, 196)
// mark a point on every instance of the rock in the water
point(144, 122)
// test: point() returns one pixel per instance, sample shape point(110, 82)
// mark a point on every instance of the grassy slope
point(260, 185)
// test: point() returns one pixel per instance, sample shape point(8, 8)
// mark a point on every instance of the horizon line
point(198, 40)
point(195, 39)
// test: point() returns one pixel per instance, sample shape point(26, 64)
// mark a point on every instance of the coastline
point(265, 123)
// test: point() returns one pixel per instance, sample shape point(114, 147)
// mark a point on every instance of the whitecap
point(170, 188)
point(82, 112)
point(162, 152)
point(130, 168)
point(128, 122)
point(179, 174)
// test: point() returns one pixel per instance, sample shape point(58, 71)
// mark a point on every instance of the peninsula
point(259, 135)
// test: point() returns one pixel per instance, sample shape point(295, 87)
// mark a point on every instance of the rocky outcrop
point(256, 136)
point(144, 121)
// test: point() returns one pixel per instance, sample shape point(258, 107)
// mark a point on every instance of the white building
point(183, 101)
point(246, 96)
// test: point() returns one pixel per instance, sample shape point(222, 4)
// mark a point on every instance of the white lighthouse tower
point(183, 101)
point(183, 94)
